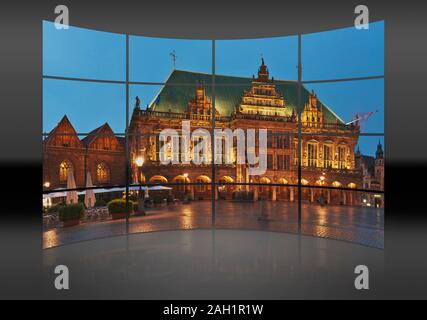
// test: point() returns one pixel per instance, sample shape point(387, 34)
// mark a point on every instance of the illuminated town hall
point(328, 144)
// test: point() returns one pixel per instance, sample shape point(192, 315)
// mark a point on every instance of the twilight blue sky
point(84, 53)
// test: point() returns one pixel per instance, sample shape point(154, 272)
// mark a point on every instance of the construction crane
point(173, 55)
point(362, 117)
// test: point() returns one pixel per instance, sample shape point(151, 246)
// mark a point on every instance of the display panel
point(213, 133)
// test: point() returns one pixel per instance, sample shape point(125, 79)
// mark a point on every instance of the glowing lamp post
point(322, 182)
point(185, 175)
point(139, 161)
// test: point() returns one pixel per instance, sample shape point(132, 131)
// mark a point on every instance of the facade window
point(158, 179)
point(181, 181)
point(203, 187)
point(282, 142)
point(312, 154)
point(102, 173)
point(283, 162)
point(270, 161)
point(295, 153)
point(158, 148)
point(107, 143)
point(64, 168)
point(327, 156)
point(269, 139)
point(341, 157)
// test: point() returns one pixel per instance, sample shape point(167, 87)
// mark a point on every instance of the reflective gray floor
point(214, 264)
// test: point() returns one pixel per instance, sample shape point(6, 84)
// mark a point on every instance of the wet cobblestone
point(361, 225)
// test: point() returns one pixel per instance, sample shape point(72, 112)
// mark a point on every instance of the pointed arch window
point(64, 168)
point(102, 173)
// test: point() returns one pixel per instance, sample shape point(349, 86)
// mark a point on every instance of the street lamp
point(185, 188)
point(322, 182)
point(139, 161)
point(46, 184)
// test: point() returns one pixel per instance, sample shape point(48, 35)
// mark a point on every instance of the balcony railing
point(246, 116)
point(330, 126)
point(263, 117)
point(331, 170)
point(180, 116)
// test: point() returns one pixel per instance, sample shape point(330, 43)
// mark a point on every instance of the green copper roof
point(175, 95)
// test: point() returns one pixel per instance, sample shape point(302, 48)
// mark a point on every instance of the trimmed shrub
point(135, 206)
point(117, 206)
point(100, 203)
point(133, 197)
point(71, 211)
point(55, 208)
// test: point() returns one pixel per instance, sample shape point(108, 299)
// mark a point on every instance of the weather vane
point(173, 55)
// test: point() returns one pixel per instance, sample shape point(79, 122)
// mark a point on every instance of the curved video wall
point(145, 134)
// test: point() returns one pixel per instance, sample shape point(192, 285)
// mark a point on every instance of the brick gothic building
point(100, 153)
point(260, 102)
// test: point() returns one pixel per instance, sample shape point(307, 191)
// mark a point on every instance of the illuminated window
point(182, 180)
point(312, 154)
point(327, 156)
point(205, 186)
point(265, 188)
point(102, 173)
point(64, 167)
point(107, 143)
point(336, 184)
point(282, 142)
point(283, 162)
point(341, 157)
point(158, 179)
point(296, 153)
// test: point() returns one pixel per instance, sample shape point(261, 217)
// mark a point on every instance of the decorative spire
point(263, 71)
point(137, 102)
point(380, 153)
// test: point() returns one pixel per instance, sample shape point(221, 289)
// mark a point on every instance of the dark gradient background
point(21, 274)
